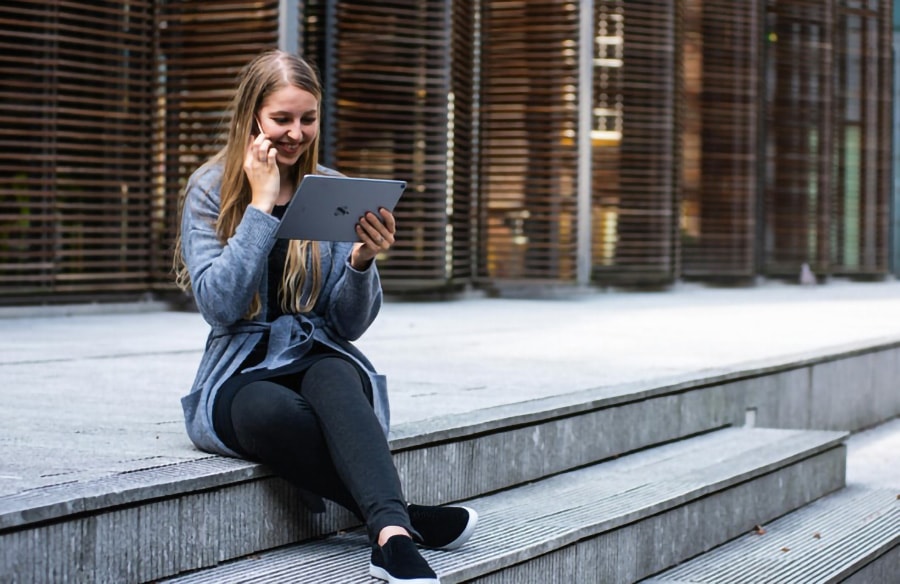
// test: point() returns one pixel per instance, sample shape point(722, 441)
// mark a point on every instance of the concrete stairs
point(613, 485)
point(616, 521)
point(850, 536)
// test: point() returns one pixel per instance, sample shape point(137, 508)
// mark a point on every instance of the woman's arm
point(355, 296)
point(225, 277)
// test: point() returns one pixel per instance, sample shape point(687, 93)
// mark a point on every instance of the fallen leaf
point(785, 549)
point(817, 535)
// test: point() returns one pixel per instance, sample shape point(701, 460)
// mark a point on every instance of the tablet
point(327, 208)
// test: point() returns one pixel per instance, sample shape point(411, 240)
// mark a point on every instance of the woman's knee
point(276, 426)
point(332, 376)
point(332, 367)
point(263, 406)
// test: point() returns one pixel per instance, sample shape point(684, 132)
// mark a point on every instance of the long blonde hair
point(264, 75)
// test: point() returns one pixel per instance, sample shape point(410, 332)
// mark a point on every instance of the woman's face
point(290, 120)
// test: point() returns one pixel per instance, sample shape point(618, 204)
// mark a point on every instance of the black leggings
point(317, 429)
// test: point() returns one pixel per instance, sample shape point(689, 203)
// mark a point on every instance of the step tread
point(825, 541)
point(551, 513)
point(57, 501)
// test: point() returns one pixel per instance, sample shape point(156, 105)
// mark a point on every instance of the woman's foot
point(398, 562)
point(442, 528)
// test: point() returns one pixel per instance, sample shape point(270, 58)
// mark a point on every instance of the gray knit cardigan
point(224, 279)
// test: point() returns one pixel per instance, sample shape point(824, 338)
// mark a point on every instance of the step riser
point(466, 469)
point(636, 551)
point(851, 392)
point(165, 537)
point(883, 570)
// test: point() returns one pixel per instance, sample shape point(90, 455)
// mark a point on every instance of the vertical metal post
point(764, 53)
point(288, 21)
point(585, 125)
point(328, 71)
point(894, 205)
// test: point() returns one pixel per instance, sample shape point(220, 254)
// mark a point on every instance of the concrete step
point(850, 536)
point(109, 528)
point(155, 522)
point(617, 521)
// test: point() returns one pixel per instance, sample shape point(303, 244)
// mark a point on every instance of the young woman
point(280, 381)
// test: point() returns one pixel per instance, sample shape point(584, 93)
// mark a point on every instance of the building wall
point(728, 140)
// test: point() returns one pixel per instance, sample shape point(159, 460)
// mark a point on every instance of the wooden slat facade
point(721, 193)
point(799, 137)
point(787, 138)
point(398, 78)
point(862, 121)
point(636, 144)
point(202, 48)
point(729, 140)
point(528, 140)
point(75, 164)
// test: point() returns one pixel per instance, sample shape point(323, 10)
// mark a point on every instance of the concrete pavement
point(87, 395)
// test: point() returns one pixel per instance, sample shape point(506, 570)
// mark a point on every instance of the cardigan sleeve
point(355, 298)
point(225, 277)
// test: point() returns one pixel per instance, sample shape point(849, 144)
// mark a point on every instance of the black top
point(276, 270)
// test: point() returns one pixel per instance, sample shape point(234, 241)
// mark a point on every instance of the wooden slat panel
point(203, 46)
point(798, 189)
point(102, 116)
point(719, 218)
point(862, 138)
point(528, 157)
point(635, 145)
point(75, 166)
point(401, 85)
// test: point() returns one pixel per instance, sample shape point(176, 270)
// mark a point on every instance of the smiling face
point(289, 117)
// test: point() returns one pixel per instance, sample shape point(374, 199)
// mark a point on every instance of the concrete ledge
point(73, 499)
point(194, 514)
point(825, 391)
point(549, 444)
point(535, 439)
point(852, 533)
point(630, 515)
point(807, 382)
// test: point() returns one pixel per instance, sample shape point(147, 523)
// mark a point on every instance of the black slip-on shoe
point(442, 528)
point(398, 562)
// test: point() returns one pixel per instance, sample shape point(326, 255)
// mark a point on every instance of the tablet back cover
point(327, 208)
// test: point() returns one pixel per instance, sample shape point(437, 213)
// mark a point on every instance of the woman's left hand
point(375, 236)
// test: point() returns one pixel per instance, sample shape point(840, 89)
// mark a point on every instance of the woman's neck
point(287, 188)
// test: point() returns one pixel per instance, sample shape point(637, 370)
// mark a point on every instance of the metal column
point(585, 124)
point(288, 23)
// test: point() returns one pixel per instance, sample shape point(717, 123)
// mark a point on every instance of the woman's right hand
point(261, 169)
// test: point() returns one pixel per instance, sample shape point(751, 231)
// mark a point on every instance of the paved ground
point(83, 395)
